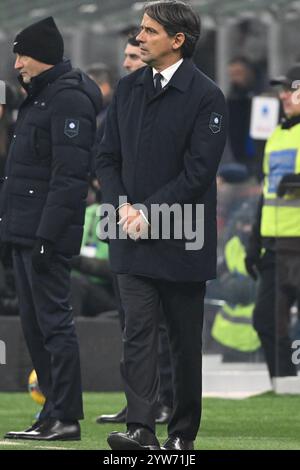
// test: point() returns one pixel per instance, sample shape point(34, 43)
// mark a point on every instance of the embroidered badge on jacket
point(215, 122)
point(71, 127)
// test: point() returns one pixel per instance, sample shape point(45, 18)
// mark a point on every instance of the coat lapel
point(181, 80)
point(183, 76)
point(146, 80)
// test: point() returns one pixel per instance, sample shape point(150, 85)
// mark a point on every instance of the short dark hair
point(132, 37)
point(133, 42)
point(177, 16)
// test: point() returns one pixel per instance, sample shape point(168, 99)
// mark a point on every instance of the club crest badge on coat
point(215, 122)
point(71, 128)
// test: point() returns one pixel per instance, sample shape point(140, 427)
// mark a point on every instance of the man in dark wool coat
point(42, 206)
point(164, 137)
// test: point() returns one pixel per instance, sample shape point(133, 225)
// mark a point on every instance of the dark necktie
point(157, 82)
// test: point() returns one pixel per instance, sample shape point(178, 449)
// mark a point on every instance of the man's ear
point(179, 39)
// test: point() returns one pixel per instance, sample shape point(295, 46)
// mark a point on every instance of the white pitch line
point(9, 443)
point(53, 448)
point(21, 442)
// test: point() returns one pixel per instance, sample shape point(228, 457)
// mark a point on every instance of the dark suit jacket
point(164, 148)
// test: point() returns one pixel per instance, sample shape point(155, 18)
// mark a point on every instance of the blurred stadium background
point(265, 32)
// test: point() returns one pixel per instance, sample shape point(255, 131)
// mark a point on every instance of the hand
point(41, 255)
point(127, 212)
point(137, 227)
point(251, 264)
point(286, 183)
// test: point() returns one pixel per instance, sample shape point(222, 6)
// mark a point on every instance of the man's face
point(29, 67)
point(290, 100)
point(158, 49)
point(132, 59)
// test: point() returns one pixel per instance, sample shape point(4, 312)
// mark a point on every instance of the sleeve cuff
point(144, 217)
point(122, 205)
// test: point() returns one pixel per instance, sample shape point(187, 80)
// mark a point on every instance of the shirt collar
point(181, 79)
point(168, 73)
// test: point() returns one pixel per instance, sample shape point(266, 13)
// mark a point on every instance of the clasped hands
point(132, 222)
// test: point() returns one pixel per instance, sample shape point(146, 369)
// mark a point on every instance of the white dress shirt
point(168, 73)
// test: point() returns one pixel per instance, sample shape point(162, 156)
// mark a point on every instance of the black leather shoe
point(55, 430)
point(135, 439)
point(177, 443)
point(119, 417)
point(163, 414)
point(20, 434)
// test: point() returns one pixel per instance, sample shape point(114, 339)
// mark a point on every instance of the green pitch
point(264, 422)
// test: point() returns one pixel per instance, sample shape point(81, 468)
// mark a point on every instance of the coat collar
point(287, 123)
point(45, 78)
point(180, 80)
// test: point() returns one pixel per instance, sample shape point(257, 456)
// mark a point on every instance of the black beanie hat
point(41, 41)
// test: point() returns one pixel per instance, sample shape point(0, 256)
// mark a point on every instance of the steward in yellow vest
point(233, 322)
point(281, 194)
point(274, 248)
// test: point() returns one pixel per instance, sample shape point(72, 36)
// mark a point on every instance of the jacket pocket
point(25, 209)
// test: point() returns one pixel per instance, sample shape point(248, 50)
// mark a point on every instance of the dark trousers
point(182, 305)
point(165, 396)
point(271, 321)
point(164, 359)
point(287, 293)
point(49, 331)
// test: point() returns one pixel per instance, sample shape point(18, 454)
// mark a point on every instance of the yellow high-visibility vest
point(233, 323)
point(281, 216)
point(233, 328)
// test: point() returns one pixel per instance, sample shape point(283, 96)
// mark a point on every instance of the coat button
point(43, 103)
point(15, 135)
point(36, 102)
point(31, 191)
point(6, 177)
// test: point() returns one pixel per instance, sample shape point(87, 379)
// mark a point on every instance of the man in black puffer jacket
point(42, 208)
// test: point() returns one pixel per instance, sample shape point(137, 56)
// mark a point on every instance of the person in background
point(133, 62)
point(132, 55)
point(164, 137)
point(92, 279)
point(242, 88)
point(274, 247)
point(92, 291)
point(42, 207)
point(103, 77)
